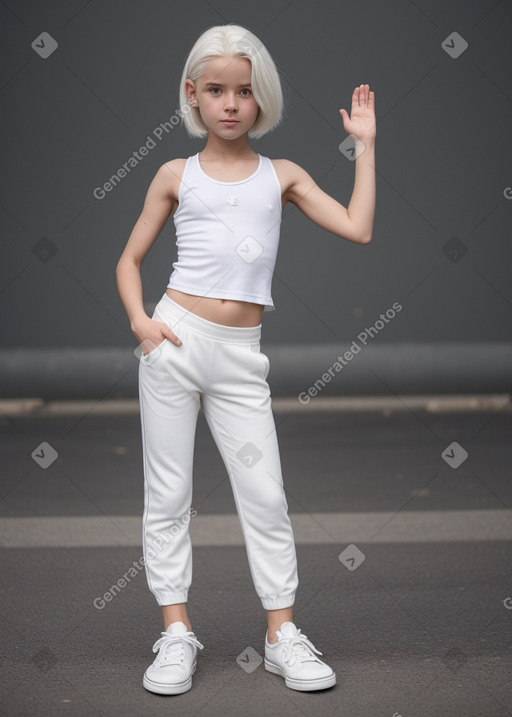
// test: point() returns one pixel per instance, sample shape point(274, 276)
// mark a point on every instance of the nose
point(230, 101)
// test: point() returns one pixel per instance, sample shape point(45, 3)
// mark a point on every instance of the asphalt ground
point(403, 544)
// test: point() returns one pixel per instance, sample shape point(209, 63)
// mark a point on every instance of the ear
point(190, 89)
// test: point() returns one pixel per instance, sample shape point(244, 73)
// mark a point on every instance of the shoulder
point(284, 165)
point(173, 163)
point(173, 168)
point(290, 175)
point(288, 169)
point(169, 175)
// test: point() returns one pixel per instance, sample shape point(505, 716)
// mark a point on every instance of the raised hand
point(362, 123)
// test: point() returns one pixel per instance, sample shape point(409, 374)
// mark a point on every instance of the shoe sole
point(161, 688)
point(321, 683)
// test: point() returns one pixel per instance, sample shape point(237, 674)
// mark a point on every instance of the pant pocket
point(263, 358)
point(266, 364)
point(158, 315)
point(154, 353)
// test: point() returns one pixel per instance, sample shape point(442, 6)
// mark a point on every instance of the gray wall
point(443, 155)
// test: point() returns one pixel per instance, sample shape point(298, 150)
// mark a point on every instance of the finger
point(173, 338)
point(169, 334)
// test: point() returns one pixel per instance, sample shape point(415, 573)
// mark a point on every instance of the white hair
point(234, 41)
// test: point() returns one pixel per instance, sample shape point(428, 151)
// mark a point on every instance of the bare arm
point(160, 203)
point(354, 223)
point(361, 208)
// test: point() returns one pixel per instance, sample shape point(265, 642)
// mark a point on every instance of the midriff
point(221, 311)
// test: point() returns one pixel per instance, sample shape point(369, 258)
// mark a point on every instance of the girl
point(201, 347)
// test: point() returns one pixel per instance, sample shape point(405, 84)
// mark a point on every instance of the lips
point(229, 121)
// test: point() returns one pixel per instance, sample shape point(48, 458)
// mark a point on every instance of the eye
point(213, 88)
point(247, 90)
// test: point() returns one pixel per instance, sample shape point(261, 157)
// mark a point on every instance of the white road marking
point(309, 528)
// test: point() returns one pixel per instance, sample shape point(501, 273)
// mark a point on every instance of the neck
point(234, 150)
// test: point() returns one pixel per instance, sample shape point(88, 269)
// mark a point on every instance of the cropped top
point(227, 234)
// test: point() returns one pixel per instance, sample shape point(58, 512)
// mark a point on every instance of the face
point(224, 92)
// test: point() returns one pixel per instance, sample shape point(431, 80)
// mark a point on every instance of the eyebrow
point(219, 84)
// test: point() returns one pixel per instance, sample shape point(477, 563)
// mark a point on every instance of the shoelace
point(172, 647)
point(298, 647)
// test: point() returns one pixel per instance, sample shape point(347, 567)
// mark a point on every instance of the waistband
point(178, 316)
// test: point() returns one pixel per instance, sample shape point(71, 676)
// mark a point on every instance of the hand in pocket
point(150, 334)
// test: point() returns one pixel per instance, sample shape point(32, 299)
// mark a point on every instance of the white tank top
point(227, 234)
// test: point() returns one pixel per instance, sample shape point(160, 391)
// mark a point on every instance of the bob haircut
point(234, 41)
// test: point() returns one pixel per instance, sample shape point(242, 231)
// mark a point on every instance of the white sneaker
point(171, 672)
point(292, 657)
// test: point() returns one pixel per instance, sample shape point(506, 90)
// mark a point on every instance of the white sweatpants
point(222, 369)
